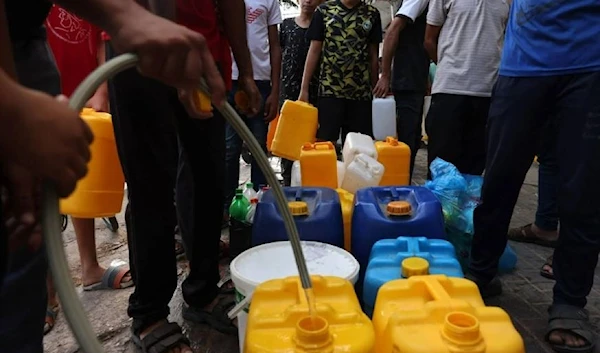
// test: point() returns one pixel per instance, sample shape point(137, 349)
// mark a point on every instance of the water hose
point(51, 221)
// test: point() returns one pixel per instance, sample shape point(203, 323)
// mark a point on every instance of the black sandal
point(162, 339)
point(544, 271)
point(574, 320)
point(216, 318)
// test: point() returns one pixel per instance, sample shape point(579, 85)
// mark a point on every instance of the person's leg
point(517, 112)
point(358, 117)
point(233, 150)
point(409, 116)
point(145, 136)
point(23, 298)
point(52, 308)
point(445, 125)
point(546, 217)
point(260, 130)
point(286, 171)
point(472, 159)
point(331, 114)
point(576, 253)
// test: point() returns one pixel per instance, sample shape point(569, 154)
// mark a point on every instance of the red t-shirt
point(74, 44)
point(201, 16)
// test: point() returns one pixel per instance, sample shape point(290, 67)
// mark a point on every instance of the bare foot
point(183, 348)
point(567, 338)
point(94, 275)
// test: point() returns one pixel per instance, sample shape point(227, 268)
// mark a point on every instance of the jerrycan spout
point(462, 329)
point(312, 335)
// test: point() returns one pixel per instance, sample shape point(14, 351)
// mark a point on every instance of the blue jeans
point(546, 216)
point(521, 107)
point(233, 145)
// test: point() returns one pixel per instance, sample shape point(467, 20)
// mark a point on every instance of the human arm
point(436, 16)
point(316, 35)
point(375, 38)
point(99, 101)
point(272, 102)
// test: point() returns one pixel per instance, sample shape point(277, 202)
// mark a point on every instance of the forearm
point(431, 48)
point(234, 23)
point(312, 60)
point(374, 63)
point(390, 44)
point(101, 59)
point(275, 56)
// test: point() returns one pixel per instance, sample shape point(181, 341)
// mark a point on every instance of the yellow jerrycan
point(279, 319)
point(297, 125)
point(347, 203)
point(318, 165)
point(438, 314)
point(395, 157)
point(100, 193)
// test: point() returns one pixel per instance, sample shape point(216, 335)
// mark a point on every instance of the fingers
point(21, 193)
point(65, 182)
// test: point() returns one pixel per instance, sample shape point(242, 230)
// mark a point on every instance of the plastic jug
point(279, 321)
point(386, 212)
point(438, 314)
point(395, 157)
point(297, 174)
point(347, 202)
point(384, 117)
point(317, 212)
point(356, 144)
point(100, 193)
point(271, 132)
point(318, 165)
point(362, 172)
point(404, 257)
point(298, 122)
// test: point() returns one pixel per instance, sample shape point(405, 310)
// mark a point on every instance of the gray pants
point(23, 286)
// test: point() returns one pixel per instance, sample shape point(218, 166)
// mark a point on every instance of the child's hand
point(99, 101)
point(382, 87)
point(248, 86)
point(271, 105)
point(303, 97)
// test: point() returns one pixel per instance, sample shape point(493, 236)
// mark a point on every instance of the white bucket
point(276, 260)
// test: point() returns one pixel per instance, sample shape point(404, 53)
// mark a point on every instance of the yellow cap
point(415, 266)
point(399, 208)
point(202, 102)
point(298, 208)
point(241, 100)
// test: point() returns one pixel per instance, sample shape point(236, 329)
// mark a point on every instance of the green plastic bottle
point(239, 206)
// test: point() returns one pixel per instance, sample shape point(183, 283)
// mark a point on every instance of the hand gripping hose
point(71, 304)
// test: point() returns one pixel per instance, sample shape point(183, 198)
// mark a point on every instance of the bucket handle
point(234, 312)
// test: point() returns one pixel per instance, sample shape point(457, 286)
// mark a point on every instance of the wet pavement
point(526, 294)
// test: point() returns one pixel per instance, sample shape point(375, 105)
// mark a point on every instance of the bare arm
point(432, 34)
point(234, 21)
point(374, 63)
point(390, 43)
point(312, 60)
point(275, 56)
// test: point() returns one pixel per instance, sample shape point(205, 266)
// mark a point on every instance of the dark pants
point(233, 145)
point(409, 117)
point(148, 119)
point(23, 296)
point(456, 129)
point(546, 216)
point(520, 109)
point(345, 115)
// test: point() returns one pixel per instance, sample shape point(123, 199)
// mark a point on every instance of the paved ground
point(526, 296)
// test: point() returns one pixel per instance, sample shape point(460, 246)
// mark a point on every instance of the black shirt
point(411, 63)
point(294, 50)
point(26, 17)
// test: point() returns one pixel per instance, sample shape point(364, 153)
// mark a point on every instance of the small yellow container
point(347, 202)
point(395, 157)
point(279, 319)
point(438, 314)
point(100, 192)
point(318, 165)
point(297, 125)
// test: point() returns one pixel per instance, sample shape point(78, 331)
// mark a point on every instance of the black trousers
point(520, 109)
point(149, 122)
point(345, 115)
point(409, 117)
point(456, 129)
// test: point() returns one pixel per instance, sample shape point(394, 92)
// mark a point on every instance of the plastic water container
point(318, 165)
point(438, 314)
point(297, 173)
point(405, 257)
point(389, 212)
point(271, 132)
point(297, 125)
point(384, 117)
point(356, 144)
point(275, 261)
point(395, 157)
point(362, 172)
point(100, 192)
point(317, 212)
point(347, 202)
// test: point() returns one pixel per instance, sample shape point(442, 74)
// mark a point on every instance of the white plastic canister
point(363, 172)
point(358, 143)
point(384, 118)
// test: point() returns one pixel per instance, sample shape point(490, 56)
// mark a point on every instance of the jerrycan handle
point(298, 196)
point(395, 194)
point(392, 141)
point(327, 145)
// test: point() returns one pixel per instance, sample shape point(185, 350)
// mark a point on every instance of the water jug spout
point(462, 329)
point(312, 335)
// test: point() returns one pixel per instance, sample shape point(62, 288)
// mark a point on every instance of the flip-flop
point(112, 279)
point(50, 321)
point(524, 234)
point(544, 272)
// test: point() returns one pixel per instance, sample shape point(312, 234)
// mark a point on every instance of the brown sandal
point(546, 270)
point(524, 234)
point(50, 321)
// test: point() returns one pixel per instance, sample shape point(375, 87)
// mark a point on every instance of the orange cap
point(399, 208)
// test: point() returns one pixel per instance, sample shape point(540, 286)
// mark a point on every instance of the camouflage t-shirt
point(346, 35)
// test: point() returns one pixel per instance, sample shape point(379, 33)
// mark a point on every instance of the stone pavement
point(526, 296)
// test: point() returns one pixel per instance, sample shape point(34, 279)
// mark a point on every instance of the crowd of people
point(513, 80)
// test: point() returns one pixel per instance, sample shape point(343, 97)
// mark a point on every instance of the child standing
point(294, 49)
point(345, 35)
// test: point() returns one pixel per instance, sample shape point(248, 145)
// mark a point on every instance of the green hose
point(51, 223)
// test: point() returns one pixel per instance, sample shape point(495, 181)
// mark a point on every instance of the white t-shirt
point(260, 14)
point(412, 8)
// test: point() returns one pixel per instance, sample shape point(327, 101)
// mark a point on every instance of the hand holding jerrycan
point(297, 125)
